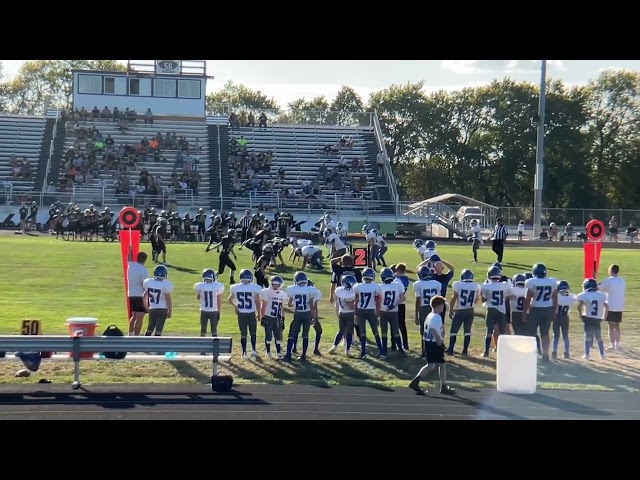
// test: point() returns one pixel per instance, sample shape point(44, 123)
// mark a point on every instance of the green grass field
point(52, 280)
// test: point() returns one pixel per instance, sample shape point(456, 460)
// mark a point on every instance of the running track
point(293, 402)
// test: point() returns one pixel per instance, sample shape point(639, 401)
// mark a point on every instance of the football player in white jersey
point(475, 237)
point(418, 244)
point(371, 236)
point(466, 293)
point(157, 300)
point(429, 250)
point(342, 232)
point(315, 320)
point(311, 255)
point(245, 298)
point(336, 246)
point(272, 301)
point(345, 299)
point(304, 297)
point(516, 301)
point(425, 289)
point(593, 308)
point(382, 249)
point(566, 300)
point(391, 295)
point(540, 306)
point(615, 288)
point(368, 309)
point(209, 292)
point(495, 294)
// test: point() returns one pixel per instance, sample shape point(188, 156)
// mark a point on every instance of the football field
point(51, 280)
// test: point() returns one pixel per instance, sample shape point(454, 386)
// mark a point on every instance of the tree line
point(478, 141)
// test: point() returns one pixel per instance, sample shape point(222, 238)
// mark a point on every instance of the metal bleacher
point(20, 136)
point(192, 130)
point(298, 148)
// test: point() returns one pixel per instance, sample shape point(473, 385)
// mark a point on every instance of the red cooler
point(82, 327)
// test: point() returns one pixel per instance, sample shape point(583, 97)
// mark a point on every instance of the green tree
point(238, 98)
point(310, 112)
point(347, 109)
point(41, 80)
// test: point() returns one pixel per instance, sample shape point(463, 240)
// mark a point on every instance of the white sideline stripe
point(140, 358)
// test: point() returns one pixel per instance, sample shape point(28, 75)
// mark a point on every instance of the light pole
point(539, 176)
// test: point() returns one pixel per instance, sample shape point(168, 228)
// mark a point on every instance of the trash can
point(517, 365)
point(82, 327)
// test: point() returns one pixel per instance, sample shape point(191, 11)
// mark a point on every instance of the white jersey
point(371, 237)
point(426, 290)
point(136, 275)
point(521, 228)
point(475, 233)
point(542, 290)
point(391, 294)
point(156, 290)
point(380, 241)
point(496, 295)
point(310, 250)
point(245, 296)
point(335, 241)
point(594, 303)
point(433, 321)
point(468, 293)
point(615, 287)
point(367, 293)
point(342, 232)
point(303, 297)
point(565, 302)
point(273, 299)
point(428, 253)
point(516, 299)
point(346, 300)
point(208, 293)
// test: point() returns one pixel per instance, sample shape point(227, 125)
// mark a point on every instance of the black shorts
point(435, 352)
point(137, 305)
point(615, 317)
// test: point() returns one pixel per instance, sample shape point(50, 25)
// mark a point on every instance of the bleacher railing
point(262, 200)
point(55, 112)
point(7, 189)
point(219, 162)
point(324, 118)
point(388, 171)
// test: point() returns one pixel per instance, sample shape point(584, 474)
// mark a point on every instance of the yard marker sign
point(129, 220)
point(593, 248)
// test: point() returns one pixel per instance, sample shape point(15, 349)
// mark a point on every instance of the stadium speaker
point(221, 383)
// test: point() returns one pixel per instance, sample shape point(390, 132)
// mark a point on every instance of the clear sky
point(287, 80)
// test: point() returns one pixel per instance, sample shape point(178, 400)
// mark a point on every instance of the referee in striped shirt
point(245, 224)
point(499, 237)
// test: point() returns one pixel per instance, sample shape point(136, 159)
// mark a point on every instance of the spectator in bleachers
point(84, 115)
point(95, 113)
point(262, 120)
point(243, 119)
point(344, 164)
point(148, 117)
point(242, 142)
point(234, 122)
point(251, 120)
point(106, 113)
point(282, 174)
point(380, 163)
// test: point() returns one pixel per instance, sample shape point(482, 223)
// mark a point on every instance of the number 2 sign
point(361, 257)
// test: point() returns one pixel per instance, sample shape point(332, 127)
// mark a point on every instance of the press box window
point(164, 88)
point(90, 84)
point(134, 86)
point(109, 85)
point(189, 88)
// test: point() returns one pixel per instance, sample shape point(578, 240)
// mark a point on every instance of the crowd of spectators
point(94, 159)
point(243, 120)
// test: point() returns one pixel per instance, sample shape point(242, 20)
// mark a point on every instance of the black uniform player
point(226, 243)
point(261, 265)
point(153, 219)
point(160, 235)
point(201, 220)
point(175, 222)
point(187, 225)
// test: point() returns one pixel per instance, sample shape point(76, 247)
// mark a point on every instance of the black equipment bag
point(114, 331)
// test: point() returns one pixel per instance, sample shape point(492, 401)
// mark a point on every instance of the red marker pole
point(593, 248)
point(129, 244)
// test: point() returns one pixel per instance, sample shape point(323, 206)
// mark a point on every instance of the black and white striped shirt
point(245, 222)
point(500, 232)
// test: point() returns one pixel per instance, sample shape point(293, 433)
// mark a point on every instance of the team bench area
point(80, 348)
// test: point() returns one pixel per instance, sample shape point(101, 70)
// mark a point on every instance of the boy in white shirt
point(272, 301)
point(517, 296)
point(245, 298)
point(593, 308)
point(209, 292)
point(157, 300)
point(434, 345)
point(425, 289)
point(345, 299)
point(615, 288)
point(392, 295)
point(495, 293)
point(368, 309)
point(561, 323)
